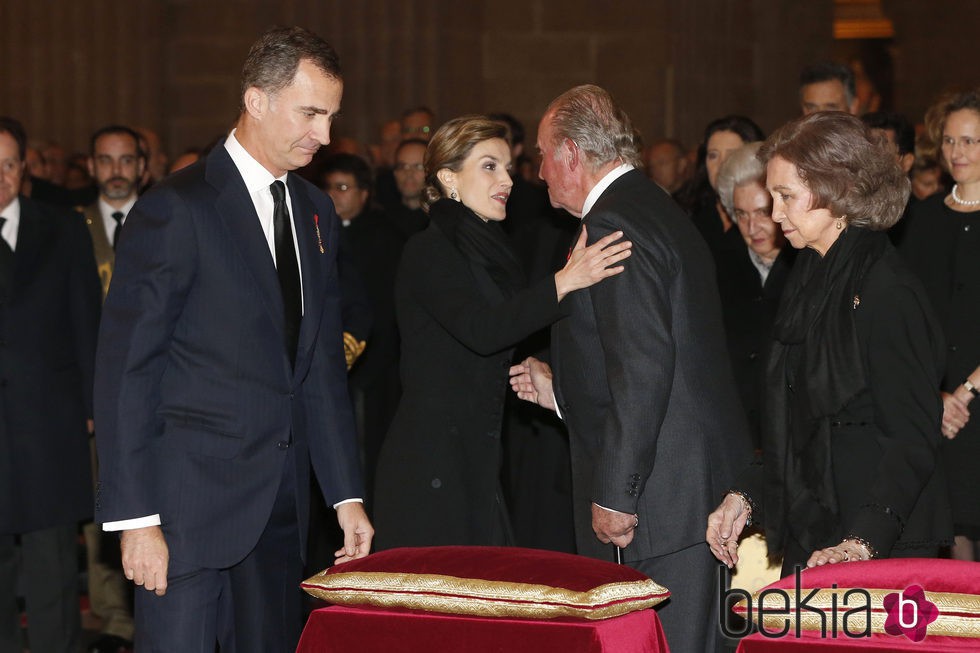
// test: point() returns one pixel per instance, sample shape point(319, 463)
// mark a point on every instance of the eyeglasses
point(340, 188)
point(966, 142)
point(405, 167)
point(424, 129)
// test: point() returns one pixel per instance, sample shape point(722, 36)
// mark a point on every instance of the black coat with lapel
point(439, 472)
point(48, 324)
point(749, 309)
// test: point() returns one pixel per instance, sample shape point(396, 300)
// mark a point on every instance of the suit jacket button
point(436, 483)
point(282, 444)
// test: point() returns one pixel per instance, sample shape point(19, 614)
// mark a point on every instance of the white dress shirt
point(106, 210)
point(9, 232)
point(258, 181)
point(603, 184)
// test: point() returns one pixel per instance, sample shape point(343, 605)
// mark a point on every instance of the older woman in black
point(751, 274)
point(462, 305)
point(852, 414)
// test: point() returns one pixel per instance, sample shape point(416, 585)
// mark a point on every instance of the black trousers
point(48, 563)
point(253, 606)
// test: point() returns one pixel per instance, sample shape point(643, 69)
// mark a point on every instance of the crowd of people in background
point(409, 326)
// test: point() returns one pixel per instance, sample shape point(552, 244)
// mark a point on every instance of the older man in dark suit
point(642, 378)
point(221, 373)
point(49, 316)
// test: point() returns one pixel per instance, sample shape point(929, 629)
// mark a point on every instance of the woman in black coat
point(462, 305)
point(852, 413)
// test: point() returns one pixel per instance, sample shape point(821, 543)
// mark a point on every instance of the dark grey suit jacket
point(644, 382)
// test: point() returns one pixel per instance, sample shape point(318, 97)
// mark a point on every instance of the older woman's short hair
point(450, 146)
point(848, 171)
point(742, 167)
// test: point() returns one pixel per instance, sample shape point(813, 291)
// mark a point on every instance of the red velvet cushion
point(946, 594)
point(488, 581)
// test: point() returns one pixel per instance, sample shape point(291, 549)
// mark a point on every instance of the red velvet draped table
point(341, 629)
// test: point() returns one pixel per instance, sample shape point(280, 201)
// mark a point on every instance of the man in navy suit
point(221, 372)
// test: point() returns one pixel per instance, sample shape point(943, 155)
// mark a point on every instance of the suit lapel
point(31, 235)
point(306, 219)
point(235, 208)
point(558, 331)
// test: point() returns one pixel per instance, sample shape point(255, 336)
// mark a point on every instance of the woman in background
point(942, 246)
point(700, 196)
point(751, 275)
point(462, 304)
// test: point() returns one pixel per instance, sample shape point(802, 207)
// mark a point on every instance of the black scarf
point(815, 367)
point(482, 243)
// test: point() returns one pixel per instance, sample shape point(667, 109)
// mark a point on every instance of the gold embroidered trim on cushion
point(453, 595)
point(959, 614)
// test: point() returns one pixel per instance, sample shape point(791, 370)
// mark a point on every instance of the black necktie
point(6, 261)
point(118, 217)
point(287, 268)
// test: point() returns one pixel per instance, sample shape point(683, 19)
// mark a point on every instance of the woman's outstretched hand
point(588, 265)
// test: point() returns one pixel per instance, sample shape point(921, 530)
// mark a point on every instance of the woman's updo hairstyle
point(450, 146)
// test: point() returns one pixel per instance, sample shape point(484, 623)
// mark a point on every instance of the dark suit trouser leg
point(183, 619)
point(49, 559)
point(266, 597)
point(10, 638)
point(256, 605)
point(690, 617)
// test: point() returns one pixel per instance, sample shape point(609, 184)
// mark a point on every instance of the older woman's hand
point(725, 524)
point(955, 414)
point(588, 265)
point(847, 551)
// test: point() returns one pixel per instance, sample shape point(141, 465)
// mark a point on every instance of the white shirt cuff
point(130, 524)
point(340, 503)
point(610, 509)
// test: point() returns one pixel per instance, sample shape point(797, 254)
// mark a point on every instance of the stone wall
point(173, 65)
